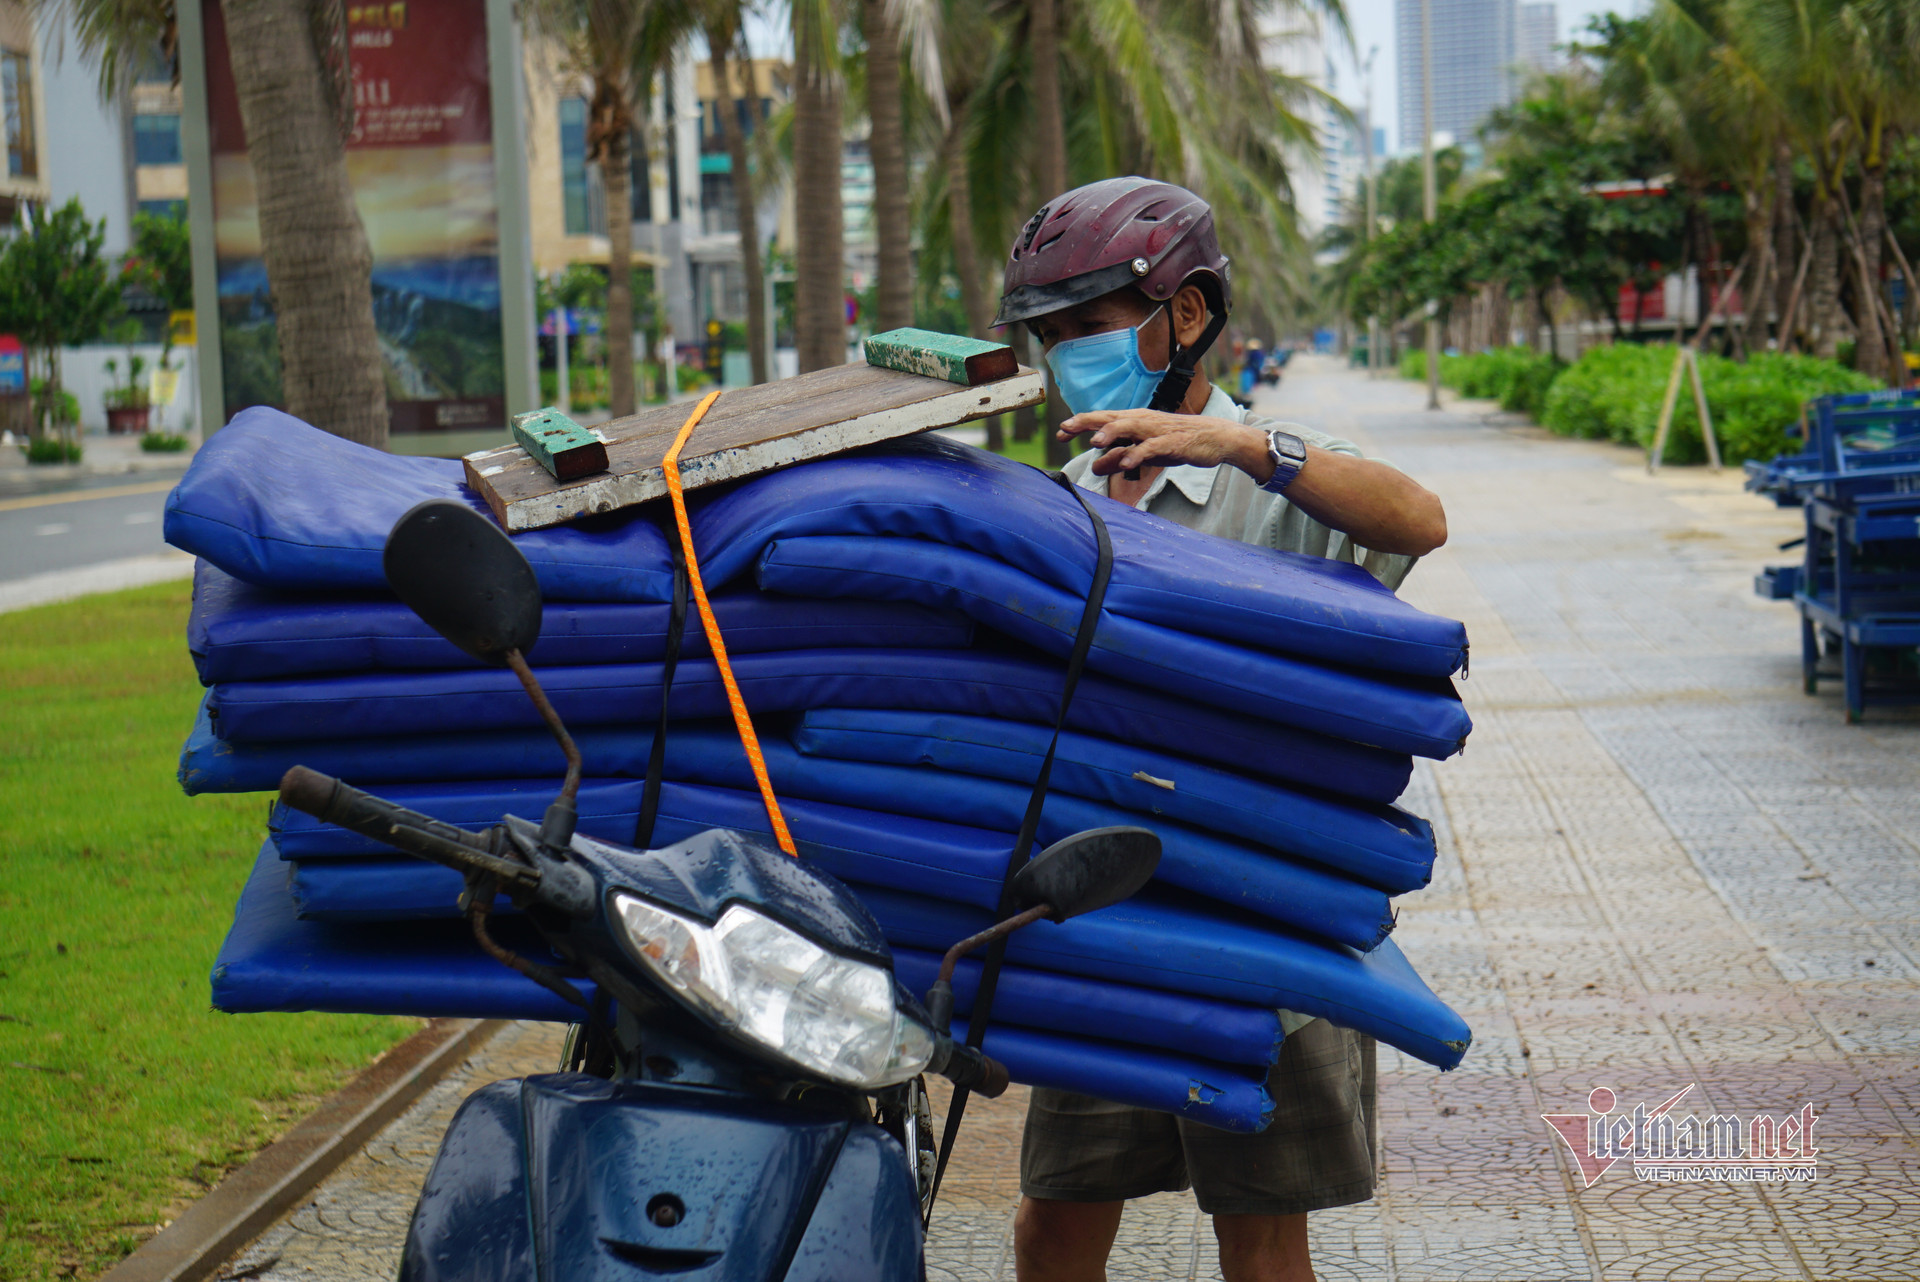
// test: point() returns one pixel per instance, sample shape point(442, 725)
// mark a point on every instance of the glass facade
point(16, 89)
point(156, 140)
point(580, 188)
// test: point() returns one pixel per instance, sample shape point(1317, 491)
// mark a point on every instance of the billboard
point(420, 159)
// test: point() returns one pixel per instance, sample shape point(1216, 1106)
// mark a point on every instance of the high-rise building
point(1474, 54)
point(1539, 32)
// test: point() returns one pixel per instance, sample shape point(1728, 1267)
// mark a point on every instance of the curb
point(241, 1206)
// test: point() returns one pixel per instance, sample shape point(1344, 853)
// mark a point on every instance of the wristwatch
point(1289, 455)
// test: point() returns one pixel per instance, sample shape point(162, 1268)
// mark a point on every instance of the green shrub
point(50, 449)
point(1527, 392)
point(1517, 377)
point(162, 442)
point(1413, 364)
point(1614, 393)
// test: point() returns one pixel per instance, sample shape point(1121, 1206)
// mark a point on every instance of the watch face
point(1288, 446)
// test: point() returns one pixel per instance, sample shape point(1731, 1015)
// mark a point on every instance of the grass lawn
point(124, 1095)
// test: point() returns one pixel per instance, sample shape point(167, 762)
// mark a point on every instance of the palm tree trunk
point(736, 140)
point(1050, 127)
point(1873, 234)
point(1753, 291)
point(1785, 251)
point(1823, 284)
point(1050, 164)
point(616, 172)
point(819, 295)
point(314, 248)
point(888, 146)
point(966, 252)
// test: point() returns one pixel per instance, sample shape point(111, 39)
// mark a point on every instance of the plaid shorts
point(1318, 1151)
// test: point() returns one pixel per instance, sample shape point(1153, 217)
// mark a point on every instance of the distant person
point(1250, 366)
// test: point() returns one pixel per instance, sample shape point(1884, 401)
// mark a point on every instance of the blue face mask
point(1104, 371)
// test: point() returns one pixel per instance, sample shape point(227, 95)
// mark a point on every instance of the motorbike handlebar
point(973, 1070)
point(331, 801)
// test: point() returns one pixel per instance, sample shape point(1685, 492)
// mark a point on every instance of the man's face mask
point(1104, 371)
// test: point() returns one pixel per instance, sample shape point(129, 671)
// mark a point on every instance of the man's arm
point(1377, 506)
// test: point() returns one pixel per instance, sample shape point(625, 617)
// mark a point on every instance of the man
point(1125, 286)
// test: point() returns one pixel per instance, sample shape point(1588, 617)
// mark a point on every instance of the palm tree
point(819, 258)
point(291, 74)
point(887, 145)
point(723, 27)
point(618, 46)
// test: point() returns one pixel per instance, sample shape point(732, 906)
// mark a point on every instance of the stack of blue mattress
point(898, 621)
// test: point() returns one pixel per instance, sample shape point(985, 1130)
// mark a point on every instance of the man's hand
point(1151, 438)
point(1379, 506)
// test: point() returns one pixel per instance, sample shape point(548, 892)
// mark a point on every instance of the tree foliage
point(56, 290)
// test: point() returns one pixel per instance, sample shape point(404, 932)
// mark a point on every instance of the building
point(1538, 34)
point(1474, 55)
point(685, 218)
point(1295, 45)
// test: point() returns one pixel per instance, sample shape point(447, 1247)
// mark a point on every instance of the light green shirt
point(1225, 501)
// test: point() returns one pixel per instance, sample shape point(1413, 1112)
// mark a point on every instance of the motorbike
point(744, 1094)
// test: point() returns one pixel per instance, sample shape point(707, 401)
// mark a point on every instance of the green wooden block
point(559, 444)
point(953, 357)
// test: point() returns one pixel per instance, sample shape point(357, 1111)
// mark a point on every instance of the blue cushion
point(281, 504)
point(1419, 714)
point(276, 502)
point(927, 854)
point(931, 488)
point(973, 681)
point(271, 961)
point(1161, 941)
point(1311, 824)
point(1022, 690)
point(241, 632)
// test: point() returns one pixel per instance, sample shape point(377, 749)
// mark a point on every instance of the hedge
point(1517, 377)
point(1614, 393)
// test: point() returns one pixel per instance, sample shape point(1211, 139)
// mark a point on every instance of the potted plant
point(128, 404)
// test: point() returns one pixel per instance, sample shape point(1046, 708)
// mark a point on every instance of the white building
point(1538, 33)
point(1474, 56)
point(1295, 44)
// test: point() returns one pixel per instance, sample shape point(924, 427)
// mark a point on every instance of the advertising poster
point(420, 159)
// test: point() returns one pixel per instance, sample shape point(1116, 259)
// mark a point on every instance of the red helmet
point(1111, 234)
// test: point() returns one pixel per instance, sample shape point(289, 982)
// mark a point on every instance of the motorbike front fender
point(565, 1176)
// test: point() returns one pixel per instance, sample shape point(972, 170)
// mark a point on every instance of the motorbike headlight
point(749, 974)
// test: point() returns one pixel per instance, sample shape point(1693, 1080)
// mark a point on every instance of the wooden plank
point(748, 431)
point(953, 357)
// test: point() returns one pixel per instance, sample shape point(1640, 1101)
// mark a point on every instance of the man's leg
point(1057, 1241)
point(1262, 1248)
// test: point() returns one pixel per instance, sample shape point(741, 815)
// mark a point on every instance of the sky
point(1372, 22)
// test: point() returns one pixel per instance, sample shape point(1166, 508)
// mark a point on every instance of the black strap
point(1030, 823)
point(657, 754)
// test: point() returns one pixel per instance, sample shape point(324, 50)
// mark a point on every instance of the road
point(64, 542)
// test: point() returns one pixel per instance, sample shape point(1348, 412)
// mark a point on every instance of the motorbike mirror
point(1088, 871)
point(460, 573)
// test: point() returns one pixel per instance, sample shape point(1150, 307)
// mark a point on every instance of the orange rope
point(744, 724)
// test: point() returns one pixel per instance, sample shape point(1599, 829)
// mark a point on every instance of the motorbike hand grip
point(331, 801)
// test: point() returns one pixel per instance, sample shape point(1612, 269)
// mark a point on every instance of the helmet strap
point(1172, 391)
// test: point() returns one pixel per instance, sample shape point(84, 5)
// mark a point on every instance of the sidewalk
point(1661, 865)
point(101, 455)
